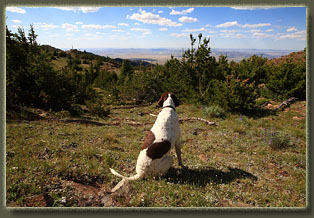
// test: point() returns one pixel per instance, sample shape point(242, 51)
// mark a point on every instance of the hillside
point(240, 162)
point(59, 59)
point(299, 56)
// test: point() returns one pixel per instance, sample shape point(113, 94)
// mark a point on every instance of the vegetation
point(63, 108)
point(49, 78)
point(241, 161)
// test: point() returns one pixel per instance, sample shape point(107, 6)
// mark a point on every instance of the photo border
point(226, 212)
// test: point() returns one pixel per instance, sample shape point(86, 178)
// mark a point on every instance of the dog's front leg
point(178, 152)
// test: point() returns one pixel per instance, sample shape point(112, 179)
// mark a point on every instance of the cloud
point(193, 30)
point(17, 26)
point(79, 23)
point(160, 12)
point(16, 10)
point(240, 36)
point(16, 21)
point(184, 12)
point(212, 31)
point(140, 29)
point(291, 29)
point(251, 8)
point(235, 23)
point(148, 17)
point(97, 26)
point(118, 30)
point(123, 24)
point(300, 35)
point(255, 25)
point(269, 30)
point(179, 35)
point(78, 9)
point(70, 27)
point(163, 29)
point(255, 31)
point(229, 31)
point(186, 19)
point(48, 26)
point(147, 33)
point(260, 35)
point(228, 24)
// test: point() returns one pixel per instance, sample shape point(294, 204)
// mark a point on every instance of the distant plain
point(161, 55)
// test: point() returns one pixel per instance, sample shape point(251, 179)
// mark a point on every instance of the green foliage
point(31, 79)
point(197, 78)
point(214, 111)
point(279, 140)
point(96, 107)
point(126, 72)
point(288, 79)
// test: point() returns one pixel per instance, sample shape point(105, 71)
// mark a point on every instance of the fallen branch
point(191, 119)
point(197, 119)
point(286, 104)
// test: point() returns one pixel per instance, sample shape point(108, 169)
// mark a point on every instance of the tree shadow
point(260, 113)
point(201, 177)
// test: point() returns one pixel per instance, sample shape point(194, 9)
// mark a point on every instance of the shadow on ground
point(201, 177)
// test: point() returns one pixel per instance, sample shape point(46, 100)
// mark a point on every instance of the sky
point(281, 28)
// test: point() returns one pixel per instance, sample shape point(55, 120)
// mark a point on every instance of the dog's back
point(153, 158)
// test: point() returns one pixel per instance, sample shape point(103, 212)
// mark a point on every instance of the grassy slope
point(231, 164)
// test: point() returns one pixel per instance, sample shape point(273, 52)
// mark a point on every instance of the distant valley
point(161, 55)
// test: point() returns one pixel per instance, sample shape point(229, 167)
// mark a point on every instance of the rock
point(203, 157)
point(106, 200)
point(41, 200)
point(297, 118)
point(84, 195)
point(122, 189)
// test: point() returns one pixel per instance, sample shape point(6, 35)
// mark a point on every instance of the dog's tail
point(135, 177)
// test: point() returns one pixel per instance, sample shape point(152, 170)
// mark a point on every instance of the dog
point(154, 158)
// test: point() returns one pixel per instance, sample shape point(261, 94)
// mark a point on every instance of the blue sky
point(163, 27)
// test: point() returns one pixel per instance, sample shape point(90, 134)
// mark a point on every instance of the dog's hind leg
point(165, 163)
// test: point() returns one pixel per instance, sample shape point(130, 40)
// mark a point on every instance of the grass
point(232, 162)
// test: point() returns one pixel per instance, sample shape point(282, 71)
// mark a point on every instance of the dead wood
point(191, 119)
point(196, 119)
point(286, 104)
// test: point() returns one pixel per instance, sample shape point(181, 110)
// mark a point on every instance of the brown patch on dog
point(164, 97)
point(149, 139)
point(158, 149)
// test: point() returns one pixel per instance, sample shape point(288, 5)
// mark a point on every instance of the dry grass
point(231, 164)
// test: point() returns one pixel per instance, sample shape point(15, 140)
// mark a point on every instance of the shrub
point(214, 111)
point(96, 107)
point(262, 101)
point(288, 80)
point(279, 140)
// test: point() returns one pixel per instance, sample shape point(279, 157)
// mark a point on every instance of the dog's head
point(164, 98)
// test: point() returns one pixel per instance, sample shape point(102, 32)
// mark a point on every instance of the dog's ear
point(162, 99)
point(175, 100)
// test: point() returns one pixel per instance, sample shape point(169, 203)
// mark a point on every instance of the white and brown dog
point(154, 158)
